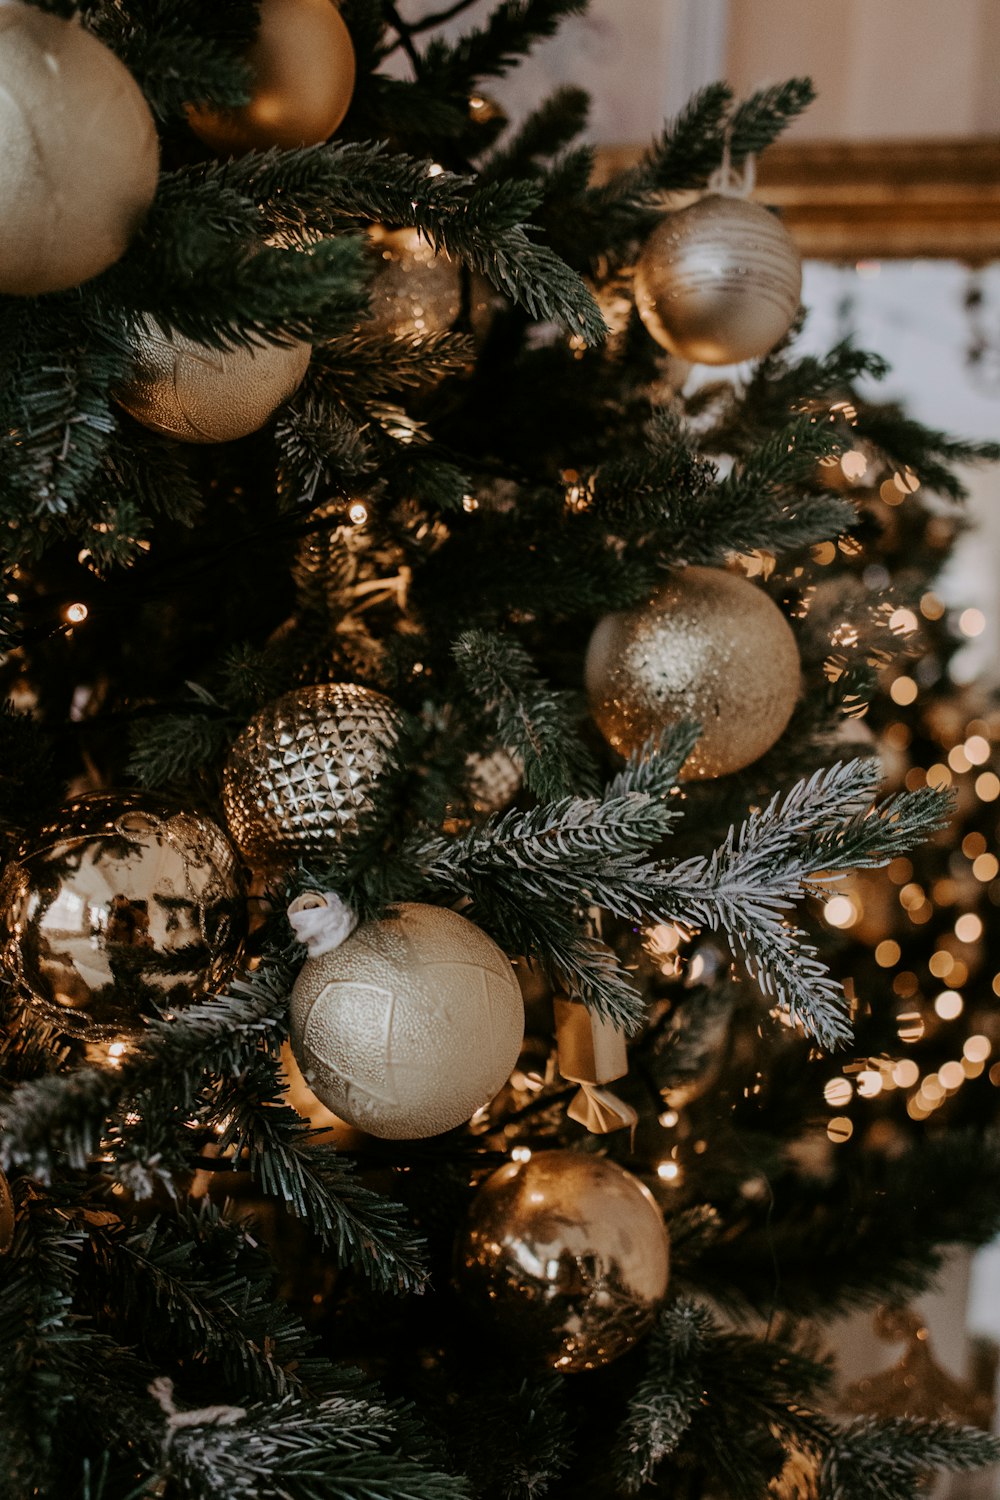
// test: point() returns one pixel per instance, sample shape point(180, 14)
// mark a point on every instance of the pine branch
point(534, 722)
point(546, 131)
point(654, 769)
point(513, 28)
point(889, 1459)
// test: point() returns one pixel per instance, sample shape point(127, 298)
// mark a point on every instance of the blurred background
point(891, 185)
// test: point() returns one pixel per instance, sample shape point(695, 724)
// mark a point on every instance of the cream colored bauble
point(709, 647)
point(203, 395)
point(303, 69)
point(410, 1026)
point(80, 157)
point(719, 282)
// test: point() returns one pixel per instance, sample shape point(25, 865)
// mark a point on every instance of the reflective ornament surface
point(6, 1216)
point(307, 768)
point(710, 647)
point(568, 1255)
point(719, 282)
point(416, 290)
point(202, 395)
point(80, 158)
point(410, 1026)
point(303, 68)
point(122, 909)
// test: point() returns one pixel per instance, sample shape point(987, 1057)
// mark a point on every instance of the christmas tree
point(429, 780)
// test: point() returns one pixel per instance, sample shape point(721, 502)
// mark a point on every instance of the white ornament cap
point(321, 920)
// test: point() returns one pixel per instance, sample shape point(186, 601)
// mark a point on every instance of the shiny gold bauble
point(303, 68)
point(710, 647)
point(719, 281)
point(416, 290)
point(202, 395)
point(80, 157)
point(568, 1255)
point(6, 1216)
point(122, 908)
point(307, 769)
point(410, 1026)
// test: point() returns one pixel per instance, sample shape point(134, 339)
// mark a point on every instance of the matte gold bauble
point(307, 768)
point(410, 1026)
point(80, 156)
point(202, 395)
point(416, 290)
point(568, 1255)
point(303, 68)
point(719, 281)
point(122, 908)
point(6, 1216)
point(710, 647)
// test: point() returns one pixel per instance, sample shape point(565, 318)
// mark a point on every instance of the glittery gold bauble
point(80, 157)
point(202, 395)
point(307, 768)
point(568, 1254)
point(6, 1216)
point(709, 646)
point(719, 281)
point(121, 908)
point(410, 1026)
point(302, 65)
point(416, 290)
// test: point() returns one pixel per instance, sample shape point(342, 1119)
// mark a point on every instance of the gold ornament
point(416, 290)
point(493, 780)
point(592, 1053)
point(307, 768)
point(917, 1386)
point(80, 157)
point(709, 646)
point(719, 282)
point(410, 1026)
point(122, 907)
point(569, 1254)
point(303, 68)
point(202, 395)
point(6, 1216)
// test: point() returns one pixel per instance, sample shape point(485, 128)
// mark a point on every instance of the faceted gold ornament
point(568, 1255)
point(307, 768)
point(416, 290)
point(719, 282)
point(303, 68)
point(122, 908)
point(80, 158)
point(709, 647)
point(202, 395)
point(410, 1026)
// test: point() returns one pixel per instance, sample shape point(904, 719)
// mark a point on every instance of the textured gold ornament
point(494, 780)
point(568, 1254)
point(202, 395)
point(6, 1216)
point(416, 290)
point(709, 646)
point(80, 156)
point(303, 68)
point(307, 768)
point(122, 908)
point(719, 282)
point(410, 1026)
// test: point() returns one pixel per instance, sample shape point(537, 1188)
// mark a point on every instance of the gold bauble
point(303, 68)
point(307, 768)
point(6, 1216)
point(416, 290)
point(493, 780)
point(709, 646)
point(202, 395)
point(568, 1254)
point(719, 281)
point(410, 1026)
point(80, 156)
point(121, 908)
